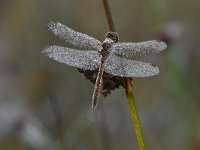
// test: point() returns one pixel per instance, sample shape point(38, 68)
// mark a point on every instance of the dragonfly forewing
point(82, 59)
point(138, 50)
point(119, 66)
point(77, 39)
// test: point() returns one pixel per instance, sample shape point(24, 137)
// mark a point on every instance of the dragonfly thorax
point(104, 52)
point(111, 37)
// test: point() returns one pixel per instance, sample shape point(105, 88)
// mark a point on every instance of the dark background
point(168, 104)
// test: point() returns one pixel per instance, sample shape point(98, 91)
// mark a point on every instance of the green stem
point(134, 116)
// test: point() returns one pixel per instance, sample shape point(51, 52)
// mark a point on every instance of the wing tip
point(158, 45)
point(162, 45)
point(156, 70)
point(53, 25)
point(152, 70)
point(48, 49)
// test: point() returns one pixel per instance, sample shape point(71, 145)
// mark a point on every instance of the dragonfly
point(110, 56)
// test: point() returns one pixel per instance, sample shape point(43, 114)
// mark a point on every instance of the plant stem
point(134, 115)
point(108, 15)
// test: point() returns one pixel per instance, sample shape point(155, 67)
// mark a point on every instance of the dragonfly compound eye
point(113, 35)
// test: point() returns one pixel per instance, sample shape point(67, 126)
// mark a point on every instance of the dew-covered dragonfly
point(110, 56)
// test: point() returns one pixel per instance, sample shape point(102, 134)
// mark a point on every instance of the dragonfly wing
point(138, 50)
point(119, 66)
point(87, 60)
point(74, 38)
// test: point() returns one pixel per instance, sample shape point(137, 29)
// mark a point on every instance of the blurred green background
point(32, 85)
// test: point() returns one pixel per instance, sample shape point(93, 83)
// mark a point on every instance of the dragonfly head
point(113, 36)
